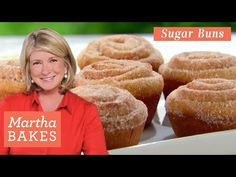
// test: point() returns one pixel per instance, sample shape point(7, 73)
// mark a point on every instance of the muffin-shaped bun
point(136, 77)
point(201, 106)
point(11, 79)
point(122, 115)
point(130, 47)
point(187, 66)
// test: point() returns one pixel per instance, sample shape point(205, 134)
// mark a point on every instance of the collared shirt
point(81, 127)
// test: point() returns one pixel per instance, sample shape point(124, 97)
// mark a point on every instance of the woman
point(49, 67)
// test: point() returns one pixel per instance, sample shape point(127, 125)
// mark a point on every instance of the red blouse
point(81, 128)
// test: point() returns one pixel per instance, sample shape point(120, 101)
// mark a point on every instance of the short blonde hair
point(47, 40)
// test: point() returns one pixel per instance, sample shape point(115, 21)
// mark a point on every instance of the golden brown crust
point(188, 66)
point(203, 105)
point(136, 77)
point(11, 79)
point(170, 85)
point(124, 138)
point(10, 70)
point(122, 115)
point(8, 87)
point(130, 47)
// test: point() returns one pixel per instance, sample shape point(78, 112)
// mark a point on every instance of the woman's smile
point(47, 70)
point(48, 78)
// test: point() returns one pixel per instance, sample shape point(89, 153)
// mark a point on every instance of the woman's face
point(47, 70)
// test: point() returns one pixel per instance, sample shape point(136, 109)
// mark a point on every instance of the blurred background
point(67, 28)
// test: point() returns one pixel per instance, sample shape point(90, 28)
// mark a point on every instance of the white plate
point(222, 143)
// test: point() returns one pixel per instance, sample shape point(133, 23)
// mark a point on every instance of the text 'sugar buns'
point(187, 66)
point(130, 47)
point(11, 79)
point(123, 117)
point(201, 106)
point(136, 77)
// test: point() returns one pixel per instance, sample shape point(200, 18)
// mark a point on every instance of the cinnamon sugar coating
point(10, 70)
point(123, 46)
point(123, 116)
point(188, 66)
point(11, 78)
point(209, 103)
point(118, 109)
point(136, 77)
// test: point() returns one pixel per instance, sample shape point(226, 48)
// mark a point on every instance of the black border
point(122, 10)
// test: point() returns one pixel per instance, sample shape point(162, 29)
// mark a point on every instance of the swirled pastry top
point(118, 108)
point(134, 76)
point(130, 47)
point(187, 66)
point(10, 70)
point(211, 100)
